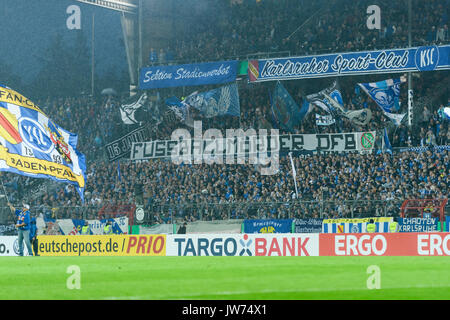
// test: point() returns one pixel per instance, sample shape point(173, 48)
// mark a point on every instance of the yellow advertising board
point(358, 220)
point(102, 245)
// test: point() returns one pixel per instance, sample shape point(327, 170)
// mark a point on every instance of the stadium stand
point(330, 186)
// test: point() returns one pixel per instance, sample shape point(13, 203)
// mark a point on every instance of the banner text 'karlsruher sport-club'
point(352, 63)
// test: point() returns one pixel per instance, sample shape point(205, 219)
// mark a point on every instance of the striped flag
point(31, 144)
point(386, 95)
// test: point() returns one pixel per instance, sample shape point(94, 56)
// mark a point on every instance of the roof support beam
point(113, 5)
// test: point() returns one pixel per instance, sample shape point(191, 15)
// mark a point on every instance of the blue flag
point(323, 98)
point(285, 111)
point(304, 110)
point(178, 107)
point(330, 100)
point(387, 144)
point(446, 114)
point(386, 95)
point(223, 101)
point(118, 171)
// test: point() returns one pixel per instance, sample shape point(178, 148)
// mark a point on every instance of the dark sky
point(27, 26)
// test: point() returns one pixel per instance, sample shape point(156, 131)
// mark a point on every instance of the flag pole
point(93, 55)
point(294, 174)
point(6, 194)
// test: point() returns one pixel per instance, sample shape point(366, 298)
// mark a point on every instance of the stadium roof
point(122, 6)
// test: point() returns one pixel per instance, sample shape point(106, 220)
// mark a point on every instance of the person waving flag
point(31, 144)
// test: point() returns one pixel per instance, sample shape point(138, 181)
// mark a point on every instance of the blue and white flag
point(31, 144)
point(128, 111)
point(446, 114)
point(285, 111)
point(323, 99)
point(330, 100)
point(386, 95)
point(180, 108)
point(223, 101)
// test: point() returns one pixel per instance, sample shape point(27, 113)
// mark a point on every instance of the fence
point(62, 212)
point(168, 213)
point(165, 213)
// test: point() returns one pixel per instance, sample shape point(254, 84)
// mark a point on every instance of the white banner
point(217, 226)
point(243, 245)
point(325, 120)
point(249, 143)
point(157, 229)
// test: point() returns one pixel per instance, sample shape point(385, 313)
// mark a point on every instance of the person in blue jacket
point(23, 226)
point(33, 236)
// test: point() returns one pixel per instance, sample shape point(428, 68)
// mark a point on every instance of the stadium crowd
point(103, 122)
point(346, 182)
point(241, 28)
point(362, 183)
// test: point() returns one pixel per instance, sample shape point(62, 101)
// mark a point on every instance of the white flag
point(127, 111)
point(325, 120)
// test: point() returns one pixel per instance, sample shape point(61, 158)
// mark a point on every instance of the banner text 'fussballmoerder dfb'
point(241, 145)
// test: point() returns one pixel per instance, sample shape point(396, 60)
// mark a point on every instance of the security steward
point(393, 226)
point(85, 229)
point(107, 229)
point(371, 226)
point(33, 236)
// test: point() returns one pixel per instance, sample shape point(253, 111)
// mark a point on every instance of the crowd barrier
point(311, 225)
point(288, 244)
point(51, 226)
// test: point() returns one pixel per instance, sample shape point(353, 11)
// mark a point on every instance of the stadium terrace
point(225, 149)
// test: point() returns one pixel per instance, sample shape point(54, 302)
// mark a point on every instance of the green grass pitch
point(224, 278)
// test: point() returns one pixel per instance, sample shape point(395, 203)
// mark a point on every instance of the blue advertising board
point(187, 75)
point(352, 63)
point(418, 224)
point(268, 226)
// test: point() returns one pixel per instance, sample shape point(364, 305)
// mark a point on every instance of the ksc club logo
point(34, 135)
point(427, 58)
